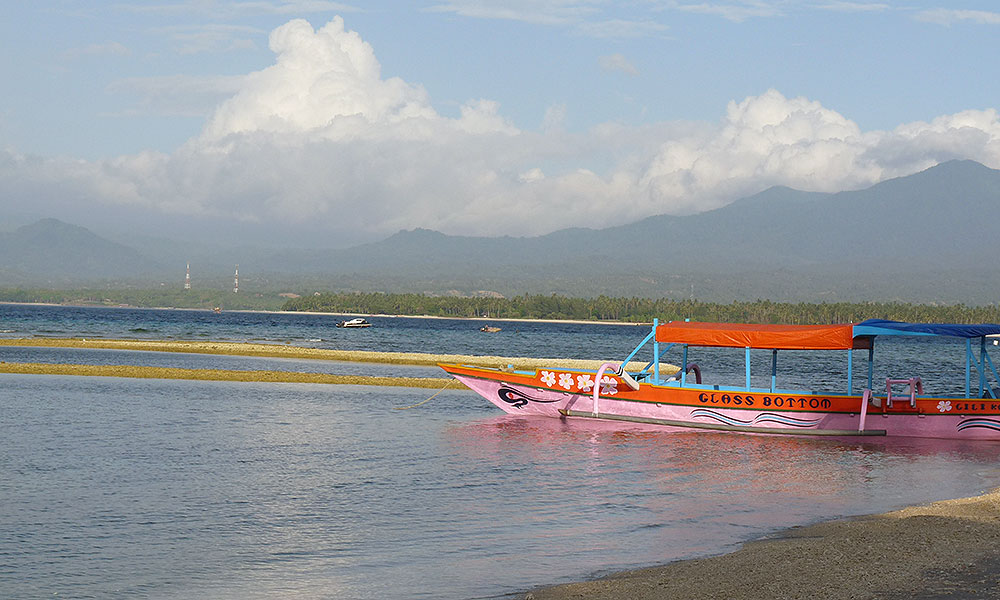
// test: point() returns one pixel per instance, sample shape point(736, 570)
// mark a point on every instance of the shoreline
point(340, 314)
point(949, 548)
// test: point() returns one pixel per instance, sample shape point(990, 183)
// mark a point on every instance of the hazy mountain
point(50, 252)
point(931, 236)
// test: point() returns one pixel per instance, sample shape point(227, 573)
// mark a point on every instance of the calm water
point(119, 488)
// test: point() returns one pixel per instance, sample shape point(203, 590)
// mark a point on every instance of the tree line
point(639, 310)
point(147, 298)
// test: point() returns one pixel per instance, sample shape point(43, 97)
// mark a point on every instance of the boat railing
point(983, 365)
point(619, 370)
point(690, 367)
point(916, 387)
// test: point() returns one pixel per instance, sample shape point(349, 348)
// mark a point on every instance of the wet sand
point(221, 375)
point(949, 549)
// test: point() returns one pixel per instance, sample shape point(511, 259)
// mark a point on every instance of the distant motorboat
point(358, 322)
point(489, 329)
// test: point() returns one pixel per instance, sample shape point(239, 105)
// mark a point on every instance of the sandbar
point(141, 372)
point(948, 549)
point(290, 351)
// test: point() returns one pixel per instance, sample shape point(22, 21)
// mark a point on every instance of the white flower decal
point(548, 378)
point(566, 380)
point(585, 383)
point(944, 406)
point(609, 386)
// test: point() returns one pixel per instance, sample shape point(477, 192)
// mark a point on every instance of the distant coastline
point(333, 314)
point(537, 308)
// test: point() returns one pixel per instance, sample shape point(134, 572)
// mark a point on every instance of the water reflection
point(648, 496)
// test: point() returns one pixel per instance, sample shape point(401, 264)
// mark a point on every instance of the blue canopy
point(885, 327)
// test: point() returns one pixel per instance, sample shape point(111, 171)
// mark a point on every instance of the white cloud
point(733, 11)
point(105, 49)
point(531, 176)
point(946, 16)
point(211, 38)
point(223, 9)
point(555, 118)
point(325, 81)
point(854, 7)
point(584, 17)
point(620, 29)
point(548, 12)
point(320, 136)
point(617, 62)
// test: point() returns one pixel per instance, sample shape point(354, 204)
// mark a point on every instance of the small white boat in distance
point(358, 322)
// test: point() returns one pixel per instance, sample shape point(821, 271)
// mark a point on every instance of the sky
point(318, 123)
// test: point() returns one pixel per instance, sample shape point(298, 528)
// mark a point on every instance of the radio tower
point(187, 277)
point(236, 280)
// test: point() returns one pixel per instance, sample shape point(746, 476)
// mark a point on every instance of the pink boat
point(896, 406)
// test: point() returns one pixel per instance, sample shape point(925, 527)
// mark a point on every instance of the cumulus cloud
point(321, 139)
point(325, 80)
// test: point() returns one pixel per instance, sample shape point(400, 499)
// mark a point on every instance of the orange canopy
point(742, 335)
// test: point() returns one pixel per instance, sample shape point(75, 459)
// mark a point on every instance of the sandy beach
point(948, 549)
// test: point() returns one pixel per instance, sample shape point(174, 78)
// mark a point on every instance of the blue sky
point(476, 117)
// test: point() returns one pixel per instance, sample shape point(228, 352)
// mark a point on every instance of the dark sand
point(948, 549)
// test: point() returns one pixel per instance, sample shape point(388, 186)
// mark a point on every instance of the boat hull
point(567, 393)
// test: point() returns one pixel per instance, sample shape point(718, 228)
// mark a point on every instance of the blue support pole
point(871, 365)
point(850, 372)
point(645, 341)
point(748, 368)
point(684, 365)
point(656, 354)
point(982, 365)
point(968, 365)
point(774, 369)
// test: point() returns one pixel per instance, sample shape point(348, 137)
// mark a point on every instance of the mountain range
point(929, 237)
